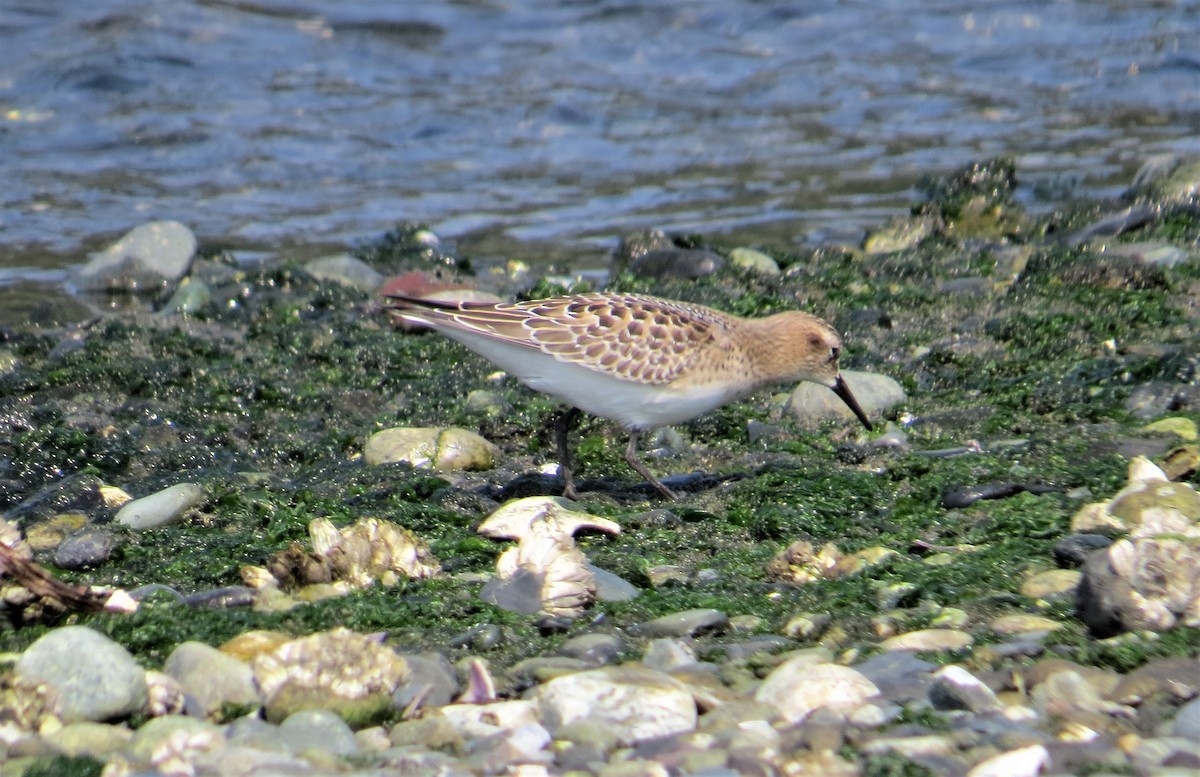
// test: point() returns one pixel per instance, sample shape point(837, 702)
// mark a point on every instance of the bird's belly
point(635, 405)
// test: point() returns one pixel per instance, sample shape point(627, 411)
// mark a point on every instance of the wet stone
point(595, 649)
point(1072, 550)
point(798, 687)
point(96, 678)
point(164, 508)
point(346, 270)
point(212, 679)
point(638, 703)
point(145, 259)
point(687, 623)
point(929, 640)
point(431, 678)
point(667, 655)
point(317, 729)
point(810, 402)
point(900, 676)
point(676, 263)
point(87, 549)
point(954, 688)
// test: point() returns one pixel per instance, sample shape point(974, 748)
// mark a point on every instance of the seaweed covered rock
point(1149, 579)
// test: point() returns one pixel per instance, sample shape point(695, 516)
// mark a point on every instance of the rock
point(489, 403)
point(190, 298)
point(146, 259)
point(954, 688)
point(1184, 428)
point(798, 687)
point(611, 587)
point(687, 623)
point(636, 244)
point(346, 270)
point(429, 448)
point(929, 640)
point(899, 234)
point(164, 508)
point(1021, 623)
point(87, 739)
point(96, 679)
point(350, 674)
point(595, 648)
point(667, 655)
point(212, 679)
point(1176, 677)
point(318, 730)
point(1187, 721)
point(431, 679)
point(639, 704)
point(1022, 762)
point(1072, 550)
point(810, 402)
point(754, 261)
point(676, 264)
point(89, 548)
point(1066, 692)
point(1170, 178)
point(1150, 580)
point(173, 742)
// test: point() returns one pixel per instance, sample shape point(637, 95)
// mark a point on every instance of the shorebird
point(639, 360)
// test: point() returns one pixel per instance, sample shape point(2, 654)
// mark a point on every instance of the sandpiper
point(639, 360)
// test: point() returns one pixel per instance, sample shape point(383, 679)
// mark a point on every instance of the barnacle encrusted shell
point(1149, 579)
point(546, 571)
point(343, 671)
point(358, 556)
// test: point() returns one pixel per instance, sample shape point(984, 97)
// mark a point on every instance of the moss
point(64, 766)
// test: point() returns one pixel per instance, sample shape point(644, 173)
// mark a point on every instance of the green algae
point(267, 401)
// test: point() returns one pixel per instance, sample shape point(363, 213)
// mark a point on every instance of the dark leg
point(561, 425)
point(631, 458)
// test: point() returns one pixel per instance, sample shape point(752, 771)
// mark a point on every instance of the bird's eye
point(833, 352)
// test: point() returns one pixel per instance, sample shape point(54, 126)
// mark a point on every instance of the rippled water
point(522, 127)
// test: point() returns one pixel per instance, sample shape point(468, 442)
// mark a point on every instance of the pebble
point(596, 648)
point(89, 548)
point(754, 261)
point(212, 679)
point(1072, 550)
point(676, 263)
point(799, 687)
point(933, 640)
point(308, 729)
point(667, 655)
point(876, 393)
point(1187, 721)
point(96, 679)
point(637, 703)
point(164, 508)
point(190, 298)
point(687, 623)
point(954, 688)
point(1021, 623)
point(1052, 584)
point(1022, 762)
point(430, 448)
point(346, 270)
point(88, 739)
point(145, 259)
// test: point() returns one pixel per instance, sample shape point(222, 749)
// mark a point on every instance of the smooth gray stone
point(96, 678)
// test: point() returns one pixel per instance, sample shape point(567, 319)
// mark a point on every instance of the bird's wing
point(628, 336)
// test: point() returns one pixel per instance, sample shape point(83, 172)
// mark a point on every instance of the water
point(545, 129)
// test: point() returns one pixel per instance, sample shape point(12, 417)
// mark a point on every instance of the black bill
point(842, 389)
